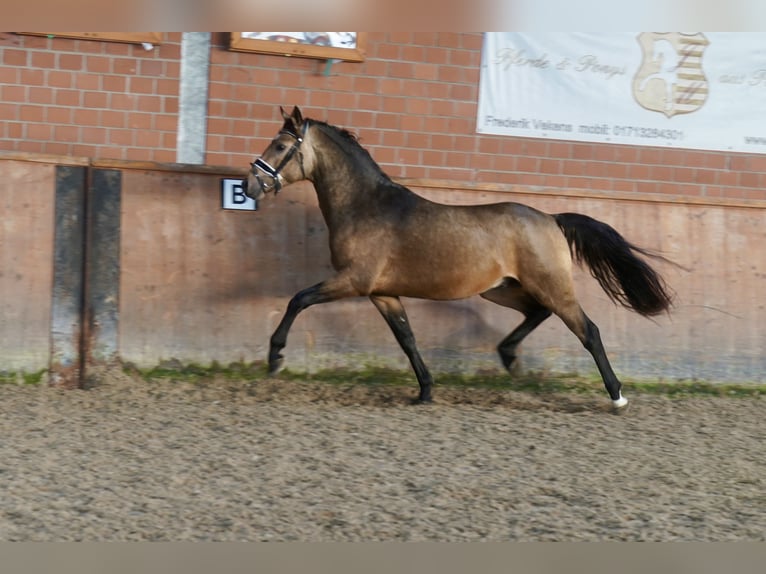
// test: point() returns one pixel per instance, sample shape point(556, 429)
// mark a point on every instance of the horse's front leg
point(393, 312)
point(333, 289)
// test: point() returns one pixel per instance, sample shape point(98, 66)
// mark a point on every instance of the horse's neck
point(348, 187)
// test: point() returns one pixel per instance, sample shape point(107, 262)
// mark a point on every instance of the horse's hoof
point(620, 406)
point(276, 366)
point(421, 401)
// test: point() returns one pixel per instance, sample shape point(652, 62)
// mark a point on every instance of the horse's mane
point(349, 142)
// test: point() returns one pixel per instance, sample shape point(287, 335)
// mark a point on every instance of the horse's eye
point(281, 147)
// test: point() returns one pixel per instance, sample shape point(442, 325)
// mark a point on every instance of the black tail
point(627, 279)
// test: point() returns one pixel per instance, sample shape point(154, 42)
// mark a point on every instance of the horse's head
point(282, 162)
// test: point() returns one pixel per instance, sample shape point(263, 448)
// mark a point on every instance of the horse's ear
point(297, 116)
point(285, 115)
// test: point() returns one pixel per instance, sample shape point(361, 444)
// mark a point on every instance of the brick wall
point(412, 102)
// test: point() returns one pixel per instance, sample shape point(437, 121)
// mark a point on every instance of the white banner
point(686, 90)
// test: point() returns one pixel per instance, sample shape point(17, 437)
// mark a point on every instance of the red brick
point(151, 68)
point(572, 167)
point(366, 85)
point(85, 150)
point(89, 46)
point(93, 135)
point(639, 172)
point(169, 141)
point(235, 144)
point(365, 102)
point(471, 41)
point(87, 82)
point(70, 62)
point(150, 104)
point(646, 186)
point(442, 108)
point(558, 149)
point(58, 79)
point(436, 125)
point(40, 96)
point(662, 173)
point(165, 122)
point(122, 101)
point(30, 146)
point(162, 155)
point(706, 176)
point(9, 75)
point(43, 60)
point(139, 121)
point(31, 113)
point(463, 58)
point(121, 137)
point(385, 51)
point(449, 74)
point(559, 181)
point(16, 94)
point(617, 170)
point(117, 48)
point(169, 50)
point(342, 101)
point(463, 92)
point(528, 164)
point(412, 53)
point(113, 119)
point(739, 163)
point(67, 133)
point(376, 68)
point(399, 37)
point(749, 179)
point(85, 117)
point(39, 131)
point(550, 166)
point(98, 64)
point(15, 57)
point(362, 120)
point(321, 99)
point(113, 83)
point(30, 77)
point(169, 105)
point(139, 85)
point(167, 87)
point(95, 99)
point(140, 154)
point(465, 144)
point(58, 115)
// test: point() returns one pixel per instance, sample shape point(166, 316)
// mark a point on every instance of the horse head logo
point(670, 79)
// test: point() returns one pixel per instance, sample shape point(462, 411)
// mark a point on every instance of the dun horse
point(387, 242)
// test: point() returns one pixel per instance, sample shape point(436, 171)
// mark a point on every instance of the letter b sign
point(233, 197)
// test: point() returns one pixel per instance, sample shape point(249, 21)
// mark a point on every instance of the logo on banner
point(670, 79)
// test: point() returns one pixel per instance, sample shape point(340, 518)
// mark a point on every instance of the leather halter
point(274, 172)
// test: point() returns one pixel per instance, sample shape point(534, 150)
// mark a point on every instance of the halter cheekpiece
point(274, 173)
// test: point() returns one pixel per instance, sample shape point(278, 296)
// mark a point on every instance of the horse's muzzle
point(267, 178)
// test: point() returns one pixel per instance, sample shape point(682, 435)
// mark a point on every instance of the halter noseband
point(274, 173)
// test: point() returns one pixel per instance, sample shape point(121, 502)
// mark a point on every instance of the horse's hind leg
point(559, 297)
point(393, 312)
point(507, 347)
point(512, 295)
point(587, 331)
